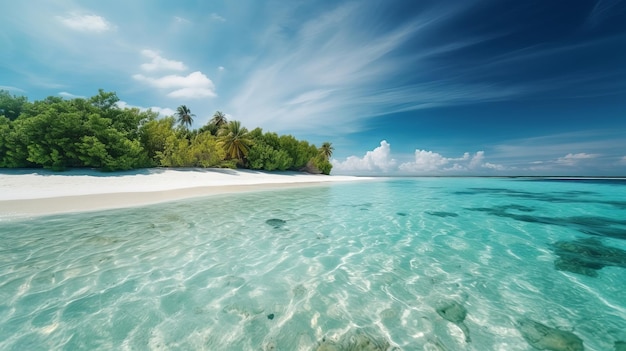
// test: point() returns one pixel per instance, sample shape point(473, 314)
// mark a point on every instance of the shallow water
point(300, 268)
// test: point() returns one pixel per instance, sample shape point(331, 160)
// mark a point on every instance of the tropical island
point(60, 134)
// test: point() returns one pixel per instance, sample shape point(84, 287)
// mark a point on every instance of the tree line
point(56, 133)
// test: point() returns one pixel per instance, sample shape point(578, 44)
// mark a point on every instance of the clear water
point(338, 261)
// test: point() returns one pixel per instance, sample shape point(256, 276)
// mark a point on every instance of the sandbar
point(30, 193)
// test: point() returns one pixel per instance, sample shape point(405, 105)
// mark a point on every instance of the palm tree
point(219, 119)
point(235, 140)
point(184, 115)
point(326, 150)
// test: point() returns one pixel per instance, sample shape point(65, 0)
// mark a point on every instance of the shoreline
point(33, 193)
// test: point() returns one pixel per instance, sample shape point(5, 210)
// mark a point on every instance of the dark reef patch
point(620, 345)
point(401, 214)
point(591, 225)
point(587, 256)
point(543, 337)
point(574, 196)
point(442, 214)
point(277, 223)
point(454, 312)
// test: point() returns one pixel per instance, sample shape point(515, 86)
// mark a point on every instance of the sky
point(423, 87)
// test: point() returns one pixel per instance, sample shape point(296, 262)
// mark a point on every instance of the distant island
point(59, 134)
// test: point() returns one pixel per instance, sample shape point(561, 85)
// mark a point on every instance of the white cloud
point(432, 163)
point(163, 111)
point(622, 160)
point(86, 23)
point(159, 63)
point(194, 85)
point(377, 160)
point(216, 17)
point(494, 166)
point(221, 68)
point(425, 163)
point(574, 159)
point(477, 161)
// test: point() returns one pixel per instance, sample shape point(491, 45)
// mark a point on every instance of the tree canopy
point(57, 133)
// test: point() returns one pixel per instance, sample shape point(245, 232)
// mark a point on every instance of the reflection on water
point(426, 264)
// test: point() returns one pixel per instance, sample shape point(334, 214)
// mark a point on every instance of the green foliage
point(13, 146)
point(235, 140)
point(104, 101)
point(322, 164)
point(184, 116)
point(10, 105)
point(206, 151)
point(326, 150)
point(58, 134)
point(155, 133)
point(219, 119)
point(263, 156)
point(202, 151)
point(95, 132)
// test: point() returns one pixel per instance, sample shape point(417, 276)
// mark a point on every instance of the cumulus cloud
point(429, 162)
point(425, 163)
point(159, 63)
point(377, 160)
point(86, 23)
point(194, 85)
point(574, 159)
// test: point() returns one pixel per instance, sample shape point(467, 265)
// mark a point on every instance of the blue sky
point(466, 87)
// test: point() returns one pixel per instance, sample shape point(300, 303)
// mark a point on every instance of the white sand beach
point(26, 193)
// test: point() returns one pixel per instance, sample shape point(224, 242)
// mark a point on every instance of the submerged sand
point(25, 193)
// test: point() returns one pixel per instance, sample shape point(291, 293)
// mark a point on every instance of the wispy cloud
point(553, 146)
point(574, 159)
point(605, 9)
point(86, 23)
point(179, 19)
point(12, 89)
point(65, 94)
point(331, 66)
point(215, 17)
point(159, 63)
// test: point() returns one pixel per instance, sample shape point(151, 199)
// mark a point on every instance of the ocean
point(389, 264)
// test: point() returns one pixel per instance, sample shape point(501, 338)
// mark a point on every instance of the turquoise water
point(368, 265)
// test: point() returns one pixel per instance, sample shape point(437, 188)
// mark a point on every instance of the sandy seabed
point(25, 193)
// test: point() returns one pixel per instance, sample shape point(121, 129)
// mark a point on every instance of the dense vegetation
point(57, 134)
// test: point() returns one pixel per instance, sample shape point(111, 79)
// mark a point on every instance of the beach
point(26, 193)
